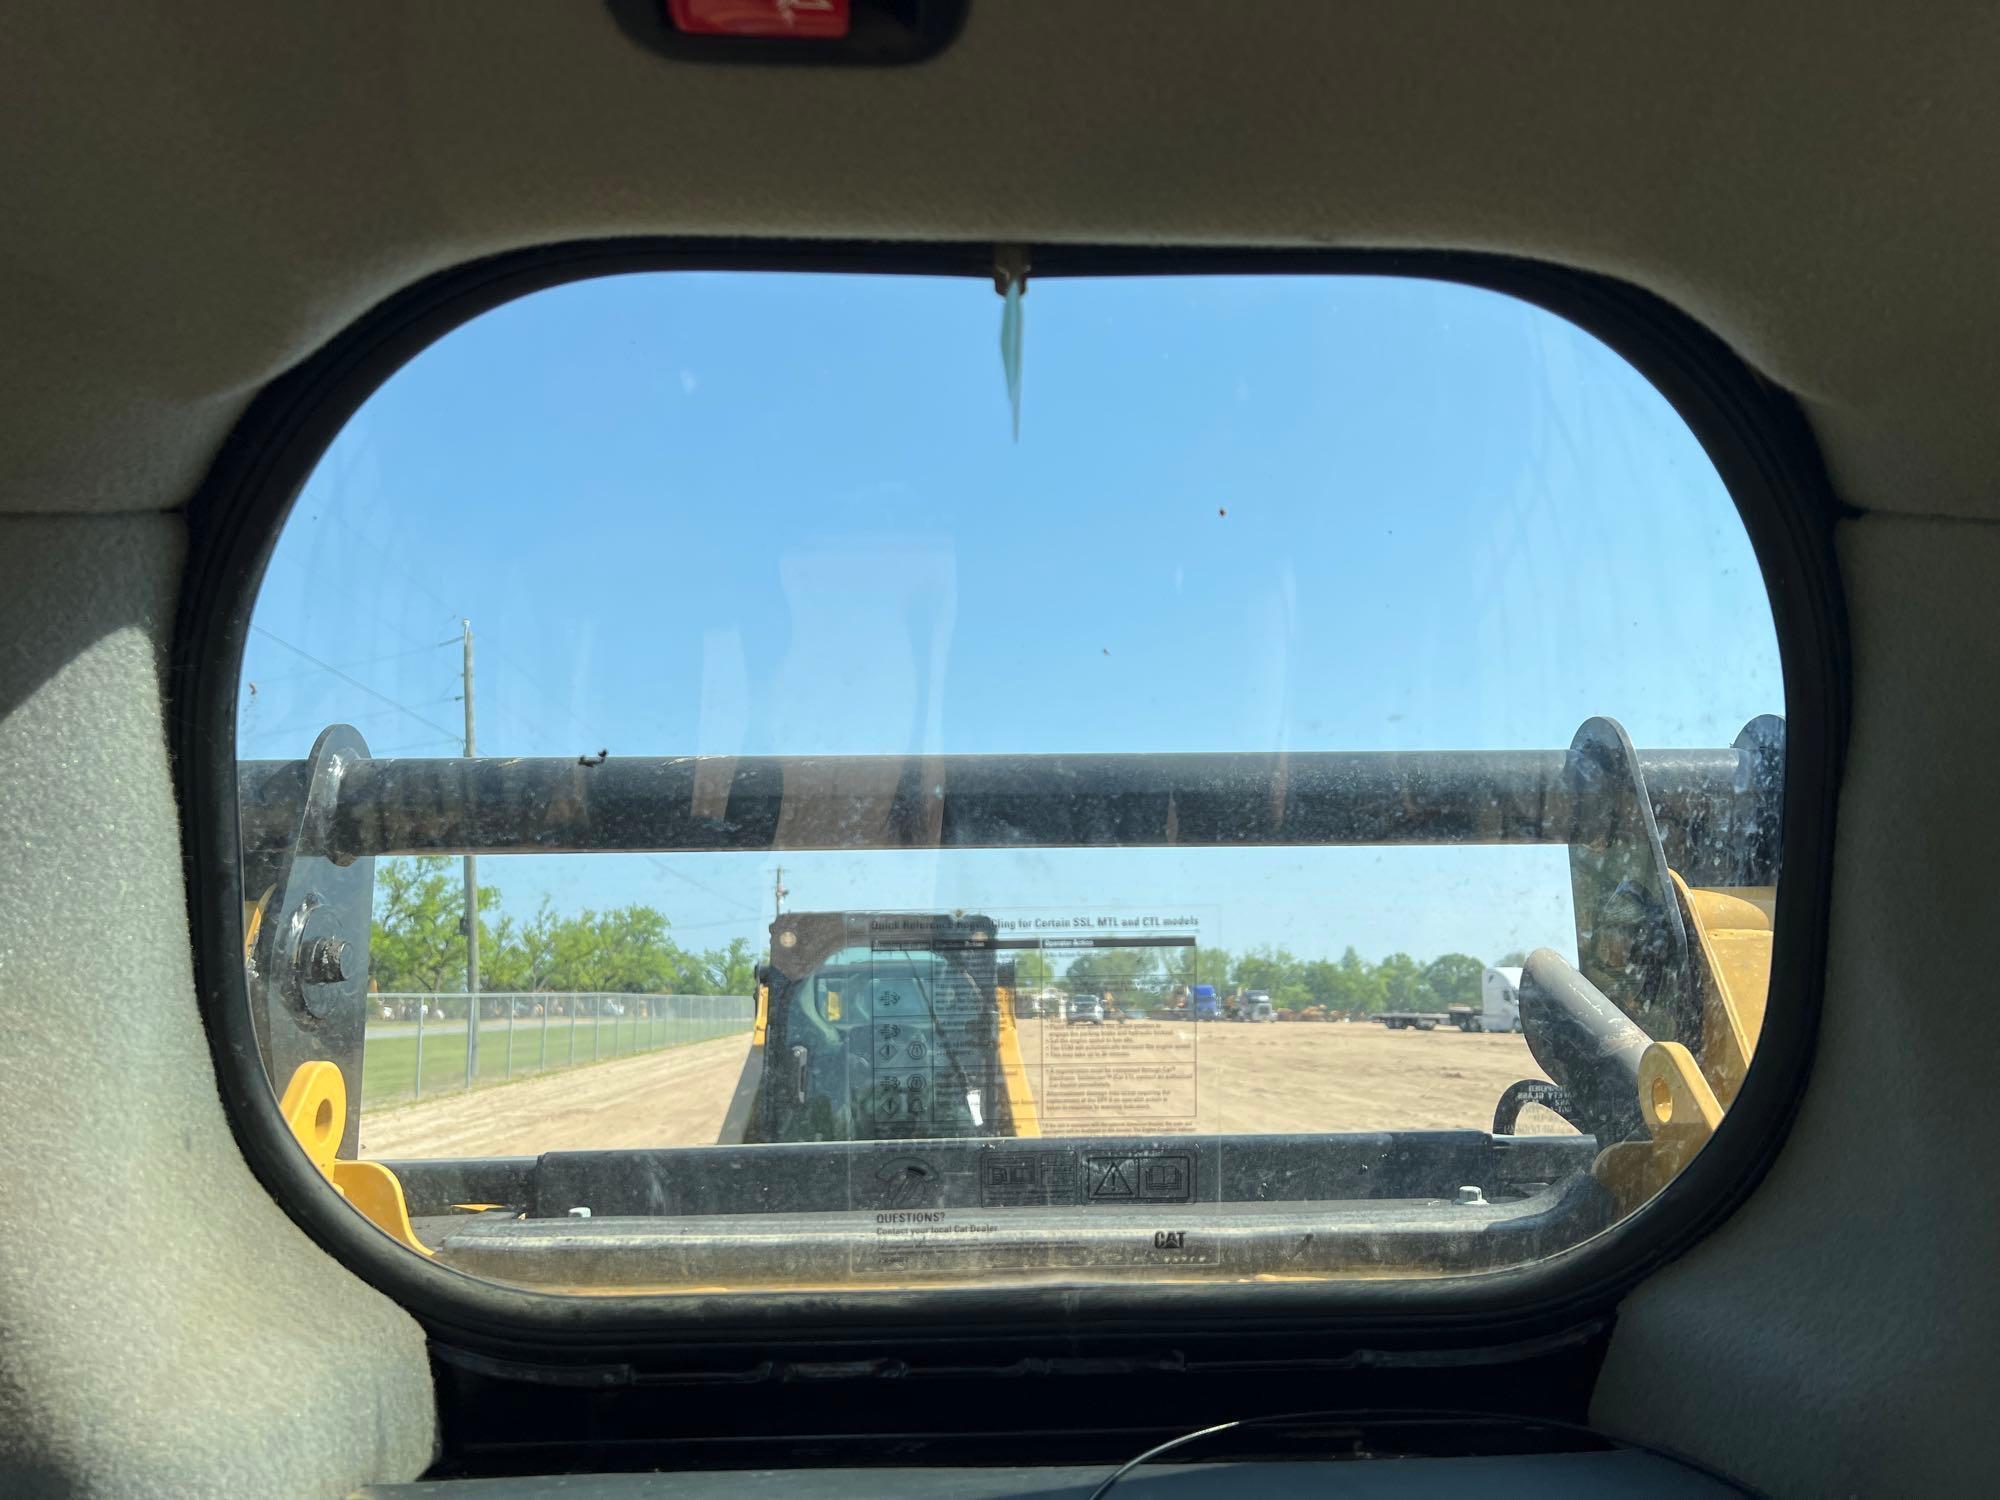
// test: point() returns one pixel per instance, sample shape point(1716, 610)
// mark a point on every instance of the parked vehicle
point(1499, 1000)
point(1464, 1017)
point(1499, 1008)
point(1084, 1008)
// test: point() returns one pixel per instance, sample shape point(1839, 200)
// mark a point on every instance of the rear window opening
point(762, 780)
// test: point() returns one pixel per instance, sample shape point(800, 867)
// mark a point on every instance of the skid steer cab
point(880, 1026)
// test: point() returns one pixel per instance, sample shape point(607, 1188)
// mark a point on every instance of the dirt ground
point(1235, 1078)
point(674, 1097)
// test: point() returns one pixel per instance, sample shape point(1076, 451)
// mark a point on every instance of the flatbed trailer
point(1464, 1017)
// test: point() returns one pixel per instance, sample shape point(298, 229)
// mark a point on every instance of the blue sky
point(782, 514)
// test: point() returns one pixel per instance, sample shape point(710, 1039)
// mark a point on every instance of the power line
point(507, 660)
point(303, 566)
point(666, 869)
point(367, 661)
point(674, 927)
point(383, 698)
point(318, 724)
point(549, 698)
point(442, 739)
point(444, 735)
point(417, 583)
point(394, 563)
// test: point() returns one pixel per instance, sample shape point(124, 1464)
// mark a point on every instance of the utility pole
point(778, 891)
point(471, 900)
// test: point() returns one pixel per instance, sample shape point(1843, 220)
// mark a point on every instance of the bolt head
point(326, 961)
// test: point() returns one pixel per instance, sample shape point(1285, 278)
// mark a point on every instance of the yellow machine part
point(1682, 1095)
point(1014, 1074)
point(315, 1106)
point(1732, 929)
point(253, 920)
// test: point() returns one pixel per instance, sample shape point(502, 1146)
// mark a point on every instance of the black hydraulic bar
point(687, 804)
point(1586, 1044)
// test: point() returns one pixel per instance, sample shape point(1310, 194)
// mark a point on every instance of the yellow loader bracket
point(1683, 1094)
point(1650, 1036)
point(305, 952)
point(1732, 976)
point(315, 1106)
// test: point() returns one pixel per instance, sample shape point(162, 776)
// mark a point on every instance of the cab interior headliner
point(200, 196)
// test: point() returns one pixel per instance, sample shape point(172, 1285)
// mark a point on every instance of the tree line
point(418, 944)
point(1349, 983)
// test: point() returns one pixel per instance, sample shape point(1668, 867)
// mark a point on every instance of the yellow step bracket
point(315, 1106)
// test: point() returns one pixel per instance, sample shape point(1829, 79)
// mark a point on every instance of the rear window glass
point(762, 780)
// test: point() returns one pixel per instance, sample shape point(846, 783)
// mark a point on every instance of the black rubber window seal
point(1752, 430)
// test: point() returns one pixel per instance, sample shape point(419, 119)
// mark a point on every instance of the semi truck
point(1499, 1008)
point(1500, 999)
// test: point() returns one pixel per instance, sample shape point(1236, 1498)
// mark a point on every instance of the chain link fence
point(420, 1045)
